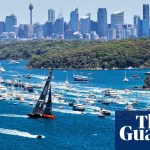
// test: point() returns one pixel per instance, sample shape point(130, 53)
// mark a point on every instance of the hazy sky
point(20, 8)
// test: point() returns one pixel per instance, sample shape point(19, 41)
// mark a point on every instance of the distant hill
point(79, 54)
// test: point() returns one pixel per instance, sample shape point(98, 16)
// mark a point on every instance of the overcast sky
point(20, 8)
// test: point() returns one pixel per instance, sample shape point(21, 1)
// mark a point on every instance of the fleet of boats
point(42, 95)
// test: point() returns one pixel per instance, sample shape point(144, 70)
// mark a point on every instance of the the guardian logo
point(127, 133)
point(132, 130)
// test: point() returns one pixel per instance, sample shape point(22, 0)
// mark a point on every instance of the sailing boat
point(43, 107)
point(125, 78)
point(66, 84)
point(80, 78)
point(1, 68)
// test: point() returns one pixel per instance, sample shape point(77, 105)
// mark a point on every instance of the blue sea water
point(70, 130)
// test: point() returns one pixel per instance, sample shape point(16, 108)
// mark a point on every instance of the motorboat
point(147, 73)
point(81, 78)
point(28, 76)
point(106, 112)
point(100, 114)
point(71, 103)
point(2, 88)
point(111, 93)
point(106, 102)
point(59, 96)
point(136, 76)
point(78, 107)
point(14, 62)
point(28, 88)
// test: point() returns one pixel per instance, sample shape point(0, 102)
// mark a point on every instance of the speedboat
point(106, 112)
point(39, 136)
point(100, 114)
point(78, 107)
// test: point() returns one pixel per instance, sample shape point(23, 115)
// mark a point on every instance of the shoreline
point(91, 69)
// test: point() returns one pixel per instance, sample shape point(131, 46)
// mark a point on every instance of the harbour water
point(71, 130)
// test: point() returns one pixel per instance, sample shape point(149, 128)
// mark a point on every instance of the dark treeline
point(80, 54)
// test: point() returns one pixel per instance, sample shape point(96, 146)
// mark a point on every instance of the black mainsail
point(43, 107)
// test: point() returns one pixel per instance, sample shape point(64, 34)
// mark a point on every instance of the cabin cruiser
point(147, 73)
point(111, 93)
point(2, 88)
point(14, 62)
point(71, 103)
point(28, 76)
point(106, 102)
point(81, 78)
point(78, 107)
point(28, 88)
point(59, 96)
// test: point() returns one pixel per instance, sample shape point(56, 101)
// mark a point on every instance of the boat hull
point(41, 116)
point(78, 109)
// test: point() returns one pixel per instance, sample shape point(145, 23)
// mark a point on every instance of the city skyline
point(40, 9)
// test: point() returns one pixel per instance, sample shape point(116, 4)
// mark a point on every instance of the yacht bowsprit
point(43, 108)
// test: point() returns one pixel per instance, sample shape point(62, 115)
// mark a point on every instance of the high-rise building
point(117, 18)
point(2, 27)
point(136, 22)
point(102, 22)
point(145, 20)
point(48, 29)
point(51, 15)
point(38, 30)
point(30, 8)
point(10, 21)
point(74, 20)
point(26, 31)
point(111, 34)
point(146, 11)
point(85, 24)
point(93, 25)
point(144, 28)
point(59, 26)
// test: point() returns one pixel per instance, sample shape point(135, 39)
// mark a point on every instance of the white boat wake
point(13, 116)
point(18, 133)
